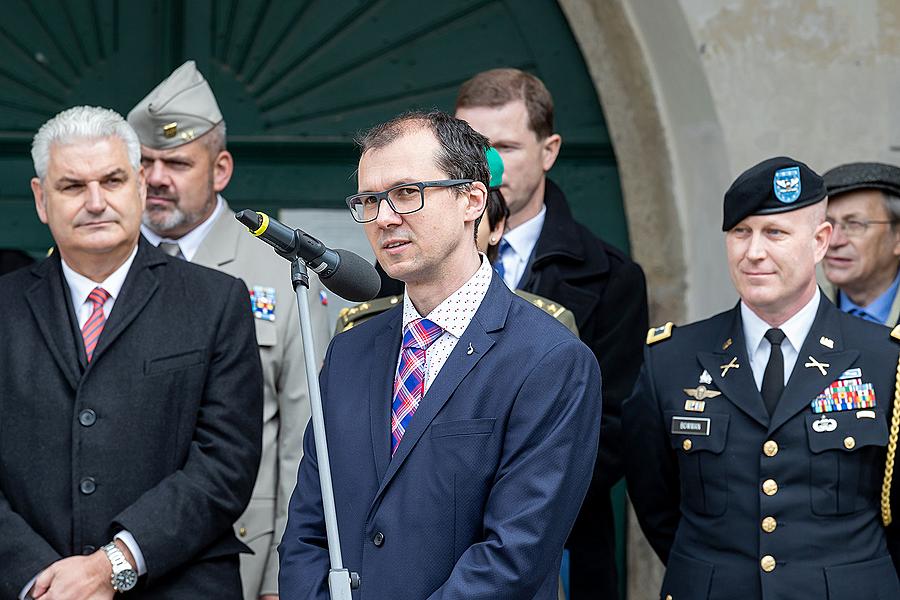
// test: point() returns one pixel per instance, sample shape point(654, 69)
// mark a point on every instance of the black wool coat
point(158, 435)
point(607, 293)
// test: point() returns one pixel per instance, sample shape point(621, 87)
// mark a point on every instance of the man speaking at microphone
point(464, 422)
point(182, 134)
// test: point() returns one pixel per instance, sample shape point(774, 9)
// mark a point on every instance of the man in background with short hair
point(546, 252)
point(862, 264)
point(187, 165)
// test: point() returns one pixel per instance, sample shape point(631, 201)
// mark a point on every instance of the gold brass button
point(242, 532)
point(687, 444)
point(769, 524)
point(669, 597)
point(769, 487)
point(767, 563)
point(849, 442)
point(770, 448)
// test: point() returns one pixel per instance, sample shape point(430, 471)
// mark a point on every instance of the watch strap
point(117, 560)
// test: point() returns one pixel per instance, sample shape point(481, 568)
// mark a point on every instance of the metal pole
point(340, 580)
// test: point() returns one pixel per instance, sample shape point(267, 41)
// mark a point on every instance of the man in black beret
point(863, 259)
point(756, 439)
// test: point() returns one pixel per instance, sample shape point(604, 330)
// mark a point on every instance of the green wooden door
point(296, 80)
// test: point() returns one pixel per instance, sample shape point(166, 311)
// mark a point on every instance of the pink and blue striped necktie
point(94, 325)
point(409, 383)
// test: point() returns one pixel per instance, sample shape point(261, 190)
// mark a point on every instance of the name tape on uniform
point(690, 425)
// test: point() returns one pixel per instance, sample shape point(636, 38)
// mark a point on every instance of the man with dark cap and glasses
point(757, 440)
point(862, 264)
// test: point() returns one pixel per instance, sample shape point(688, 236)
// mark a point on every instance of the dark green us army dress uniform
point(741, 504)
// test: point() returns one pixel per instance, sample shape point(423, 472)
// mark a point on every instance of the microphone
point(345, 273)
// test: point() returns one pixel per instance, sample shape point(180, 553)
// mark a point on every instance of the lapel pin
point(818, 365)
point(470, 349)
point(705, 377)
point(827, 342)
point(733, 364)
point(701, 392)
point(727, 344)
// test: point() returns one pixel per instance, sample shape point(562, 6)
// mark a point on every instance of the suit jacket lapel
point(806, 383)
point(737, 384)
point(490, 317)
point(140, 285)
point(220, 245)
point(381, 389)
point(49, 302)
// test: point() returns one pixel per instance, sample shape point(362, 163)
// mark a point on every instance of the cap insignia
point(787, 184)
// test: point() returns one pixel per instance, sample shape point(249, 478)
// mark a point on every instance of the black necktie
point(773, 378)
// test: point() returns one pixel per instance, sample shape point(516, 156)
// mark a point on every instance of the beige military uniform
point(350, 317)
point(230, 248)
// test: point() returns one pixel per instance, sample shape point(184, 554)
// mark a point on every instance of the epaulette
point(658, 334)
point(896, 333)
point(551, 308)
point(348, 318)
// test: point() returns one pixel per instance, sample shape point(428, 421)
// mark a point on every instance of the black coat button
point(378, 540)
point(87, 417)
point(88, 486)
point(88, 549)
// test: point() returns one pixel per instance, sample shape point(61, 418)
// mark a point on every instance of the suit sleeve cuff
point(24, 593)
point(135, 550)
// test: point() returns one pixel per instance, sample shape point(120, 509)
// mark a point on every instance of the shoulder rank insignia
point(262, 302)
point(348, 318)
point(896, 333)
point(658, 334)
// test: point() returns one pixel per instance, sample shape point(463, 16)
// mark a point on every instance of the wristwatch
point(123, 577)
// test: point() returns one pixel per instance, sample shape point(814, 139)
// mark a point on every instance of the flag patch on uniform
point(262, 302)
point(845, 394)
point(323, 298)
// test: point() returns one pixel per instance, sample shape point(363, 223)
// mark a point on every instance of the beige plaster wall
point(816, 79)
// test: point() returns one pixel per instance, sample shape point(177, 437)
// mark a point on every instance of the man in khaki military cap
point(182, 134)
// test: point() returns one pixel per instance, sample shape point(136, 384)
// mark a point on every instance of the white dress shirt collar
point(455, 313)
point(80, 286)
point(522, 241)
point(190, 242)
point(795, 330)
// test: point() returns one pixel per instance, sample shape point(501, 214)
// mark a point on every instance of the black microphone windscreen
point(355, 279)
point(250, 219)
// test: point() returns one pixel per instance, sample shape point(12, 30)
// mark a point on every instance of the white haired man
point(128, 458)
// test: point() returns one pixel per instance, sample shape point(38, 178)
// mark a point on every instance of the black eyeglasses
point(403, 199)
point(855, 228)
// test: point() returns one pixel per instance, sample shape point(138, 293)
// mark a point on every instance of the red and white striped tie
point(94, 325)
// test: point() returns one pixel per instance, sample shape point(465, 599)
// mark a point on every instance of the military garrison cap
point(776, 185)
point(177, 111)
point(863, 176)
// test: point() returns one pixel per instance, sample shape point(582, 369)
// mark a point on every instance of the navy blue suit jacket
point(482, 492)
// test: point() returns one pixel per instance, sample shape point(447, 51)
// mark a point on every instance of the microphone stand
point(340, 580)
